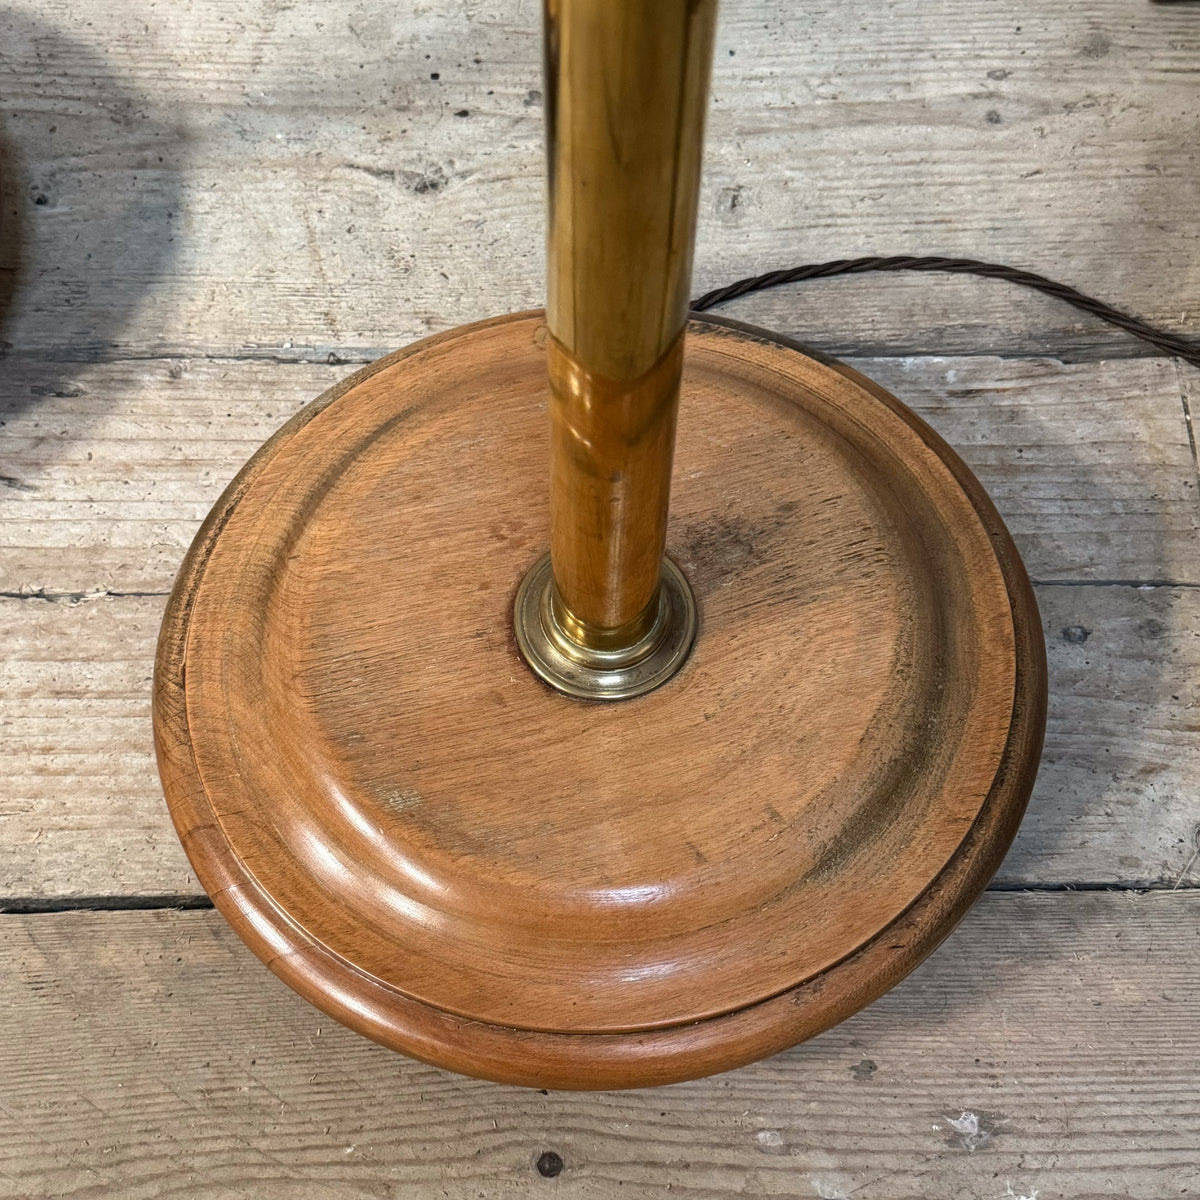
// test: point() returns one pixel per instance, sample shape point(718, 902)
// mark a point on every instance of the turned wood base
point(440, 851)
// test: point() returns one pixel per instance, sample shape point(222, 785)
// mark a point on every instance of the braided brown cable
point(1170, 343)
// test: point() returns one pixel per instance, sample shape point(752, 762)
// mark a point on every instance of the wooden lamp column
point(626, 86)
point(832, 686)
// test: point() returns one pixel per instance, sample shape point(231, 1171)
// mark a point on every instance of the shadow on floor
point(89, 194)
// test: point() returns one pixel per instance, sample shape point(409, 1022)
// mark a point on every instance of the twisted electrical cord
point(1170, 343)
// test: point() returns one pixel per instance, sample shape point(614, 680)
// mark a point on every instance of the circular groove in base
point(411, 831)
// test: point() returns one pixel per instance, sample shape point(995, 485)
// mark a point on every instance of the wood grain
point(83, 814)
point(218, 183)
point(1049, 1046)
point(106, 483)
point(425, 841)
point(229, 179)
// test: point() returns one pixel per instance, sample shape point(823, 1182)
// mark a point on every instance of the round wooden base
point(439, 850)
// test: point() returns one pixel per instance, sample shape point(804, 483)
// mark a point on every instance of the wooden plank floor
point(211, 211)
point(1049, 1049)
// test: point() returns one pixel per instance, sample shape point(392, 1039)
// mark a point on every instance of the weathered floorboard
point(108, 481)
point(108, 468)
point(82, 813)
point(272, 181)
point(239, 178)
point(1049, 1048)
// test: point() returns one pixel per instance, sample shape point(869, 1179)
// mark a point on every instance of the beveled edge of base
point(595, 1061)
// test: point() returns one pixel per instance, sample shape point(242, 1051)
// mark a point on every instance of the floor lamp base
point(436, 848)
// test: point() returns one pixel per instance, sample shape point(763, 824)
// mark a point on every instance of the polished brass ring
point(604, 674)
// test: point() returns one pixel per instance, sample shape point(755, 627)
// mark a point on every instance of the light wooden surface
point(317, 191)
point(307, 206)
point(1089, 464)
point(1048, 1049)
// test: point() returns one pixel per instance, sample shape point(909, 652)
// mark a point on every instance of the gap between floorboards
point(38, 905)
